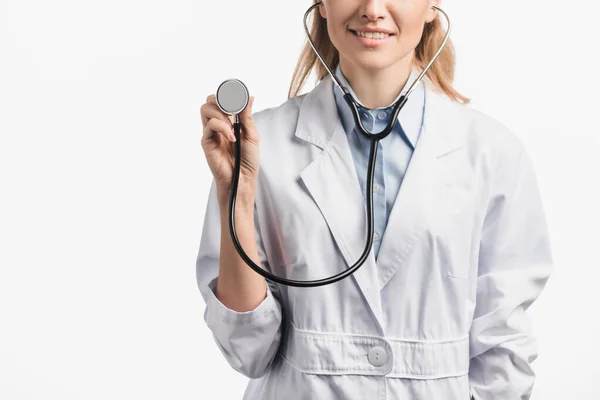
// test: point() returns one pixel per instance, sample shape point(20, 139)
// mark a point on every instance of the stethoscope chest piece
point(232, 96)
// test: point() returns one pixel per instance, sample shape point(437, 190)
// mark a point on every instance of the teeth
point(373, 35)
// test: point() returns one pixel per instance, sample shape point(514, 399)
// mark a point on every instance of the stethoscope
point(233, 97)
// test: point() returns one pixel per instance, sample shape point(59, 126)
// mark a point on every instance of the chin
point(372, 61)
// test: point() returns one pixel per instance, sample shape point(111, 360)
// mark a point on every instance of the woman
point(460, 251)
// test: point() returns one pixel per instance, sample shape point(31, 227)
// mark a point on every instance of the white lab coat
point(440, 315)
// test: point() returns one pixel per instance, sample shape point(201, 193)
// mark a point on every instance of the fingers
point(213, 109)
point(247, 121)
point(215, 126)
point(209, 111)
point(216, 121)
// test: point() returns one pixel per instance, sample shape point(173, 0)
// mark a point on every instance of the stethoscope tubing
point(374, 139)
point(291, 282)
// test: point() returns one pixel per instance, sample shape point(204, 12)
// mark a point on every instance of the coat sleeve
point(514, 265)
point(248, 340)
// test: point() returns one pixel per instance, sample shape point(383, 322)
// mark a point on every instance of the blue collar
point(411, 114)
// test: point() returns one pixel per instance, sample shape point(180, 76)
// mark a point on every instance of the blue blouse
point(393, 152)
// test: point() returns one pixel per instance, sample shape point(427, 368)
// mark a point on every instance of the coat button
point(377, 356)
point(382, 115)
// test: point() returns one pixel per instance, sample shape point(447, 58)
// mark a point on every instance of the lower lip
point(373, 43)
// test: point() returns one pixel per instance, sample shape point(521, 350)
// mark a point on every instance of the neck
point(376, 88)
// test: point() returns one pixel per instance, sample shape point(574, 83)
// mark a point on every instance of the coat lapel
point(332, 182)
point(441, 134)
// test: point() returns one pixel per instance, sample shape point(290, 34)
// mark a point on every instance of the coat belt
point(331, 353)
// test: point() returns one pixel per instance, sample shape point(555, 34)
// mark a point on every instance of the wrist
point(244, 202)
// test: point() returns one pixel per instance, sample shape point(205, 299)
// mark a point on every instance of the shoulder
point(479, 126)
point(495, 146)
point(493, 131)
point(486, 134)
point(284, 115)
point(284, 118)
point(485, 137)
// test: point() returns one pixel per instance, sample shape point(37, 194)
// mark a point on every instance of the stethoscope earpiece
point(232, 96)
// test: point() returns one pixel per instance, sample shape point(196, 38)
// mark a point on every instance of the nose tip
point(373, 9)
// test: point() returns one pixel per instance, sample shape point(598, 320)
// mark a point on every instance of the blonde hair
point(441, 73)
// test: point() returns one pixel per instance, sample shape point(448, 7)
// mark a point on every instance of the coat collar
point(318, 117)
point(409, 118)
point(333, 184)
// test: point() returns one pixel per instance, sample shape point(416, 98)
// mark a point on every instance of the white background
point(103, 183)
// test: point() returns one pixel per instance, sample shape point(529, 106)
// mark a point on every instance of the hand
point(218, 143)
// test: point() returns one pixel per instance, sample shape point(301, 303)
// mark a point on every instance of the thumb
point(247, 121)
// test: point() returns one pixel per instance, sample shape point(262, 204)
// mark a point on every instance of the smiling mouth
point(371, 35)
